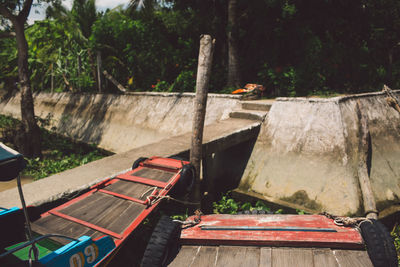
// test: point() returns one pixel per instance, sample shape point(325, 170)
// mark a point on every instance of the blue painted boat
point(31, 238)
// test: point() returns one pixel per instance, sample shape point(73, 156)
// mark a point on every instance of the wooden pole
point(52, 78)
point(363, 161)
point(114, 81)
point(200, 103)
point(79, 62)
point(99, 81)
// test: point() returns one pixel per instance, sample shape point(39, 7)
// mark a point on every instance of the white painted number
point(78, 260)
point(91, 252)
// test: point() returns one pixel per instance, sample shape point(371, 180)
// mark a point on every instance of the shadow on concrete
point(87, 115)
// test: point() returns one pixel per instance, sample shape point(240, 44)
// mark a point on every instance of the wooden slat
point(86, 224)
point(94, 211)
point(352, 258)
point(56, 225)
point(238, 256)
point(130, 189)
point(44, 231)
point(324, 258)
point(85, 205)
point(186, 256)
point(206, 256)
point(265, 257)
point(121, 216)
point(282, 257)
point(154, 174)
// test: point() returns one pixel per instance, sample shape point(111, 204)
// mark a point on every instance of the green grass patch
point(59, 153)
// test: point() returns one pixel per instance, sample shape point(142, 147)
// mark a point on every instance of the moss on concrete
point(301, 198)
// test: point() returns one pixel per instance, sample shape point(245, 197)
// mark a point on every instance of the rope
point(191, 223)
point(391, 99)
point(159, 198)
point(347, 221)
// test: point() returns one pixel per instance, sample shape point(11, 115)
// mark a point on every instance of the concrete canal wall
point(119, 123)
point(306, 154)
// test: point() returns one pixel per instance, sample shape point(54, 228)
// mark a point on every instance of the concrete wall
point(307, 150)
point(119, 123)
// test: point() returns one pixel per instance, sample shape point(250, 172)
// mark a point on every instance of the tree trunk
point(31, 144)
point(203, 78)
point(99, 67)
point(92, 67)
point(79, 61)
point(52, 78)
point(389, 68)
point(233, 55)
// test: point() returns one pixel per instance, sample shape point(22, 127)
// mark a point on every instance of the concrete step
point(262, 105)
point(254, 115)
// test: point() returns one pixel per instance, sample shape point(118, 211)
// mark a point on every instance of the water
point(13, 183)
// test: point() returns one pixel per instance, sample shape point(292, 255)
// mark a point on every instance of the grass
point(59, 153)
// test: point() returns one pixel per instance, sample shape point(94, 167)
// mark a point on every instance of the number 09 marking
point(78, 259)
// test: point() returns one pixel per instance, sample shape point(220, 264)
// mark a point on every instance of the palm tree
point(79, 21)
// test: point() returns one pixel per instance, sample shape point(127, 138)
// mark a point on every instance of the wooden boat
point(90, 229)
point(269, 240)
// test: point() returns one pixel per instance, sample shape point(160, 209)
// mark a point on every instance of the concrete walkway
point(217, 137)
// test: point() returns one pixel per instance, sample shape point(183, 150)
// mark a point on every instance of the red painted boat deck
point(270, 241)
point(272, 230)
point(114, 207)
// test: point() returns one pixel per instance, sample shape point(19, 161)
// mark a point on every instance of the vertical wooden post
point(99, 67)
point(363, 158)
point(52, 78)
point(200, 103)
point(79, 61)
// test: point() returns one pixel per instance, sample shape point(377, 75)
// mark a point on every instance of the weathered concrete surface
point(306, 154)
point(119, 123)
point(218, 136)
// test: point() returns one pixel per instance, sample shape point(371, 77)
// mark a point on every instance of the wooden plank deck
point(101, 209)
point(243, 256)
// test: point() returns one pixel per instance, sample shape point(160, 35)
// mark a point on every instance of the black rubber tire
point(380, 246)
point(163, 244)
point(186, 181)
point(137, 162)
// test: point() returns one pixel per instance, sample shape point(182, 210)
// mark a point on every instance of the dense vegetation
point(293, 47)
point(59, 153)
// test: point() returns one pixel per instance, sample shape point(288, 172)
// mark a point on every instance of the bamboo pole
point(200, 104)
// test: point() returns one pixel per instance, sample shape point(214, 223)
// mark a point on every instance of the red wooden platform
point(272, 230)
point(114, 207)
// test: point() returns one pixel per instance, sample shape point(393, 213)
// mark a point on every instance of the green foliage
point(185, 82)
point(161, 86)
point(181, 217)
point(396, 238)
point(59, 153)
point(57, 161)
point(300, 212)
point(228, 205)
point(292, 47)
point(281, 81)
